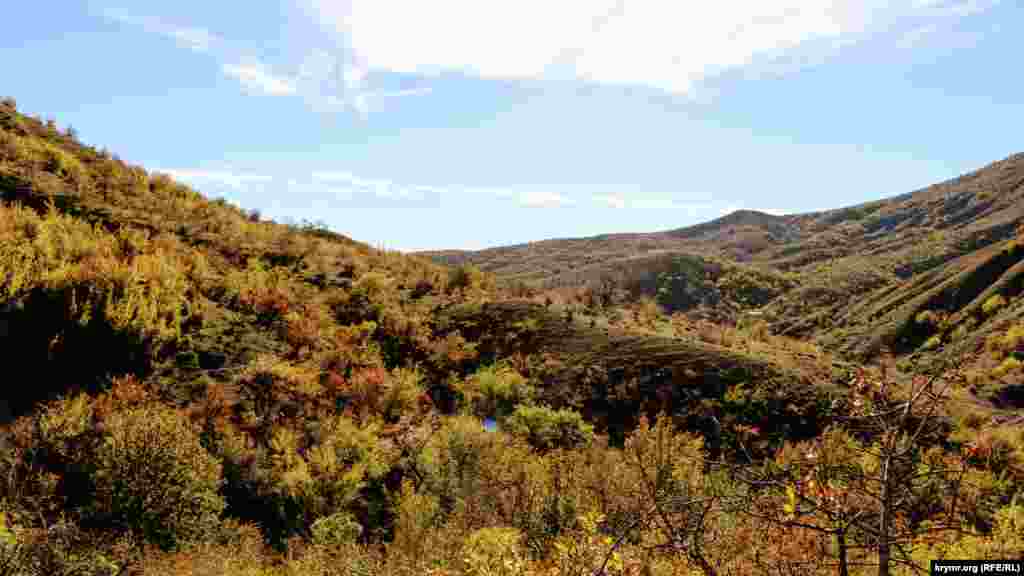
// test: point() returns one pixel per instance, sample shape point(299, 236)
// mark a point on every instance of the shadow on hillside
point(46, 355)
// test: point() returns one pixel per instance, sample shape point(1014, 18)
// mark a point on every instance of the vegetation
point(210, 393)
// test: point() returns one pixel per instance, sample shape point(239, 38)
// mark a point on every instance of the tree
point(876, 480)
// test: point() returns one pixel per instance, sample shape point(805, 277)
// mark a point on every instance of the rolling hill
point(189, 389)
point(855, 279)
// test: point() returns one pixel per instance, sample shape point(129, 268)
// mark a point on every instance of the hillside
point(189, 389)
point(855, 279)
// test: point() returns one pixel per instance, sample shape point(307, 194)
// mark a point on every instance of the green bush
point(153, 476)
point(546, 429)
point(337, 529)
point(495, 391)
point(452, 459)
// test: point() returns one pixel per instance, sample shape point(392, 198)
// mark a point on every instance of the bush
point(153, 476)
point(62, 548)
point(337, 529)
point(466, 278)
point(495, 391)
point(451, 462)
point(546, 429)
point(494, 552)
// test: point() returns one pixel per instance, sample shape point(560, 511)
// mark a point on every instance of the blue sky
point(472, 123)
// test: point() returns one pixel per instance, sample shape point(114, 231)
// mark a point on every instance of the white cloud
point(196, 39)
point(668, 45)
point(531, 198)
point(338, 79)
point(189, 37)
point(255, 76)
point(543, 199)
point(232, 179)
point(386, 189)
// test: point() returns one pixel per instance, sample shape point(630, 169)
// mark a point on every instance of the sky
point(465, 124)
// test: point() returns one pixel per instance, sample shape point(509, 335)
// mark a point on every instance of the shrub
point(546, 429)
point(337, 529)
point(416, 513)
point(585, 550)
point(153, 476)
point(494, 552)
point(466, 278)
point(495, 391)
point(61, 548)
point(451, 461)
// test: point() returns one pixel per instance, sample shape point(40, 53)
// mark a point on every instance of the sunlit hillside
point(191, 389)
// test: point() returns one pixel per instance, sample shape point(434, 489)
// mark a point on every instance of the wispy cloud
point(543, 199)
point(190, 37)
point(665, 45)
point(232, 179)
point(254, 76)
point(331, 79)
point(381, 188)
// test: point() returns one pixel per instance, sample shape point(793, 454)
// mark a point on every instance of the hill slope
point(196, 391)
point(854, 277)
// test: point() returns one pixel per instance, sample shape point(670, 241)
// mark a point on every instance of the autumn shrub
point(465, 277)
point(417, 514)
point(494, 551)
point(586, 550)
point(453, 461)
point(336, 529)
point(546, 429)
point(495, 391)
point(145, 289)
point(308, 476)
point(375, 392)
point(342, 560)
point(243, 553)
point(153, 476)
point(60, 548)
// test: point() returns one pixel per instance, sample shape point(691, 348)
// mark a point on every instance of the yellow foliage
point(494, 551)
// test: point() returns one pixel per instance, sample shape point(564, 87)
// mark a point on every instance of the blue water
point(490, 425)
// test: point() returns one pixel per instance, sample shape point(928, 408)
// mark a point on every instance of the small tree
point(872, 480)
